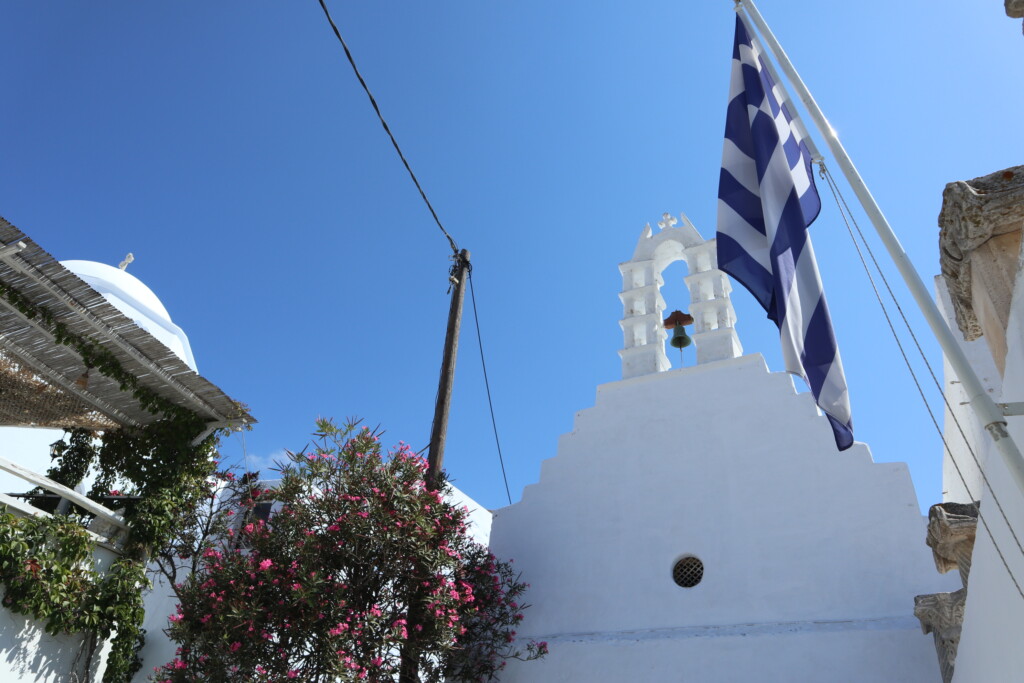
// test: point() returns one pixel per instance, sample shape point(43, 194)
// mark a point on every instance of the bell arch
point(714, 329)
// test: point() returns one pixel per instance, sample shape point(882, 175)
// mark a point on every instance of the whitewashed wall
point(961, 473)
point(812, 557)
point(990, 644)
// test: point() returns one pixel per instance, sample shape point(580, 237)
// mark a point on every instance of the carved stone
point(979, 244)
point(952, 528)
point(951, 531)
point(942, 615)
point(1014, 8)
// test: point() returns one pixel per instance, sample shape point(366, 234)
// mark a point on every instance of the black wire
point(487, 385)
point(935, 379)
point(387, 130)
point(837, 195)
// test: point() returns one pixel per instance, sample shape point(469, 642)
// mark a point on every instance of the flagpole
point(984, 407)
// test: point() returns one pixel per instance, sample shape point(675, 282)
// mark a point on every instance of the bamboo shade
point(43, 383)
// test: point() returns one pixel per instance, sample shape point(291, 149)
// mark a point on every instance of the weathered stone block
point(942, 615)
point(979, 242)
point(952, 528)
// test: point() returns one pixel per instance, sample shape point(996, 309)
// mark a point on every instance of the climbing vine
point(46, 569)
point(46, 562)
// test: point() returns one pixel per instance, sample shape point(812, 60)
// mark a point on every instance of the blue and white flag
point(766, 200)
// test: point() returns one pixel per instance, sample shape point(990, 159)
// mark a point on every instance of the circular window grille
point(688, 572)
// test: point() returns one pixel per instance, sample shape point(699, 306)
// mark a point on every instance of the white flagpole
point(984, 407)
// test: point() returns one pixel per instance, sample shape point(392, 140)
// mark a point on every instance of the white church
point(698, 524)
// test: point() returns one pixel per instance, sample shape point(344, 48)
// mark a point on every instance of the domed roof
point(132, 297)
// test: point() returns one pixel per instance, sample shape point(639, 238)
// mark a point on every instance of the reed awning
point(46, 384)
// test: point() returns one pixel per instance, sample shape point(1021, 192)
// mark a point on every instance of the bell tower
point(644, 335)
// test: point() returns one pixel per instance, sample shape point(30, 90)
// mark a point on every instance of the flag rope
point(837, 193)
point(848, 217)
point(990, 415)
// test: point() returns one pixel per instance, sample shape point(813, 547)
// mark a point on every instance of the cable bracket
point(1012, 409)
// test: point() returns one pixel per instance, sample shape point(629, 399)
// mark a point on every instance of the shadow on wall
point(31, 654)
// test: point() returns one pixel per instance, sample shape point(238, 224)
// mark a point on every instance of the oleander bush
point(360, 573)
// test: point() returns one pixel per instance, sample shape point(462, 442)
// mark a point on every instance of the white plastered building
point(800, 563)
point(978, 629)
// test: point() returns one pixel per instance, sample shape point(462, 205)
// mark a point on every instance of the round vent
point(688, 572)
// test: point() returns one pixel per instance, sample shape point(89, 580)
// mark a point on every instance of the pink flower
point(266, 564)
point(235, 646)
point(292, 673)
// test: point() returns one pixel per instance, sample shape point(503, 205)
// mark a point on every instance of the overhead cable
point(362, 82)
point(487, 385)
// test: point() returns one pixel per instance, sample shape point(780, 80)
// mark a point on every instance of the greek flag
point(766, 200)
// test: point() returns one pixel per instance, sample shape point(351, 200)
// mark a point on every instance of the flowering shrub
point(213, 517)
point(361, 574)
point(489, 639)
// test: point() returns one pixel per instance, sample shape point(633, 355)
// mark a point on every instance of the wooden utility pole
point(410, 651)
point(439, 430)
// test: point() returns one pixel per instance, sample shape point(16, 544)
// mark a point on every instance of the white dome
point(129, 295)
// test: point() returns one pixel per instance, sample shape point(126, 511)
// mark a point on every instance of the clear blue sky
point(229, 146)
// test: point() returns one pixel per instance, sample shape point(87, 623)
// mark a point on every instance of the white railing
point(105, 515)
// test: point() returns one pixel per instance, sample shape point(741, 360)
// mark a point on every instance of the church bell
point(680, 339)
point(677, 322)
